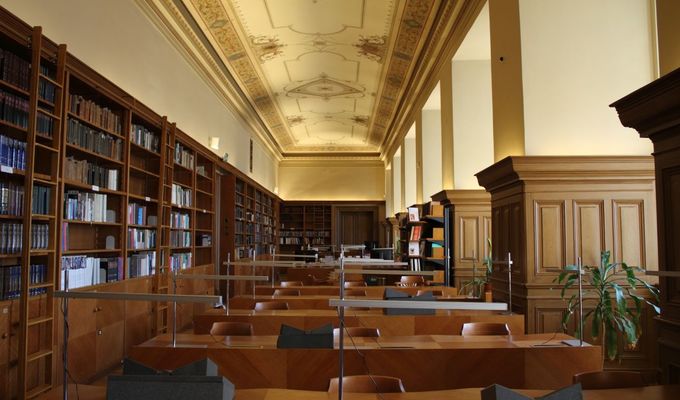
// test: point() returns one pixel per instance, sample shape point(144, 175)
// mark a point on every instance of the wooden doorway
point(356, 226)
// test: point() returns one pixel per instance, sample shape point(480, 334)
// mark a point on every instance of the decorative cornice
point(565, 169)
point(460, 197)
point(171, 22)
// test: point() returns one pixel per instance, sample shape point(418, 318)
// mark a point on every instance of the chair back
point(355, 292)
point(484, 328)
point(351, 284)
point(367, 384)
point(286, 292)
point(271, 305)
point(358, 331)
point(435, 292)
point(609, 379)
point(411, 280)
point(231, 329)
point(287, 284)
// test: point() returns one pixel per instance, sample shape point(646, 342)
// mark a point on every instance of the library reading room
point(340, 199)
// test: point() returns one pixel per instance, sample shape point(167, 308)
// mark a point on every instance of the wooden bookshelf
point(303, 223)
point(255, 220)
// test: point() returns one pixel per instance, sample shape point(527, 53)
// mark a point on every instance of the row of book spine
point(141, 239)
point(14, 109)
point(11, 199)
point(141, 264)
point(47, 91)
point(180, 239)
point(41, 200)
point(142, 136)
point(11, 238)
point(15, 70)
point(12, 153)
point(40, 236)
point(137, 214)
point(10, 280)
point(93, 140)
point(92, 174)
point(85, 206)
point(181, 196)
point(179, 220)
point(45, 125)
point(183, 156)
point(95, 114)
point(86, 271)
point(179, 261)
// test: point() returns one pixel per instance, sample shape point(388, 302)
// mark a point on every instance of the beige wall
point(117, 40)
point(432, 154)
point(332, 180)
point(397, 204)
point(577, 58)
point(472, 121)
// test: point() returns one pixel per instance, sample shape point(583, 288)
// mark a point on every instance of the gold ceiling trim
point(167, 17)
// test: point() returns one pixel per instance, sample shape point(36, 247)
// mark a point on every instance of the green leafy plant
point(611, 315)
point(475, 286)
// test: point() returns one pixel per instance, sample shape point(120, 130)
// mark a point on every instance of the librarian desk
point(425, 362)
point(312, 302)
point(443, 322)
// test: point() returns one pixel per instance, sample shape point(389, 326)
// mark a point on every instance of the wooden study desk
point(443, 322)
point(309, 302)
point(667, 392)
point(426, 362)
point(371, 291)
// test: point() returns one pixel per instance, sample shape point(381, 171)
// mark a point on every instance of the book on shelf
point(86, 172)
point(12, 153)
point(85, 206)
point(137, 214)
point(179, 220)
point(87, 271)
point(203, 239)
point(413, 214)
point(15, 70)
point(11, 238)
point(40, 236)
point(183, 156)
point(84, 137)
point(41, 200)
point(141, 238)
point(142, 136)
point(11, 199)
point(45, 125)
point(180, 239)
point(14, 109)
point(180, 261)
point(95, 114)
point(413, 249)
point(141, 264)
point(180, 196)
point(416, 232)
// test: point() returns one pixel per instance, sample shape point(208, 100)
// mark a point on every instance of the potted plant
point(611, 314)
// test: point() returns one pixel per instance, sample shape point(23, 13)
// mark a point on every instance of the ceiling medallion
point(324, 87)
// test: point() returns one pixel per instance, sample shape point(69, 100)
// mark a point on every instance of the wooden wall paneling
point(549, 210)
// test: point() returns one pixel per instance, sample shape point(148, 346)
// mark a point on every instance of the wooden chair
point(436, 292)
point(231, 329)
point(484, 328)
point(287, 284)
point(271, 305)
point(367, 384)
point(286, 292)
point(411, 281)
point(352, 284)
point(355, 292)
point(609, 379)
point(358, 331)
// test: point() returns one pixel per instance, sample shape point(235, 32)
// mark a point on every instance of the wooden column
point(547, 211)
point(402, 159)
point(654, 111)
point(419, 158)
point(446, 95)
point(471, 219)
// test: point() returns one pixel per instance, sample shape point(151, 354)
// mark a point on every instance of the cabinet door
point(4, 350)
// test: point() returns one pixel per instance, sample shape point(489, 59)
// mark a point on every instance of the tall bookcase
point(255, 220)
point(304, 222)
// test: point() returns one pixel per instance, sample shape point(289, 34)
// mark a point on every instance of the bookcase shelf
point(304, 223)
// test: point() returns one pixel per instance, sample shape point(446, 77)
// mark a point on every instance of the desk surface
point(428, 362)
point(443, 322)
point(376, 291)
point(668, 392)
